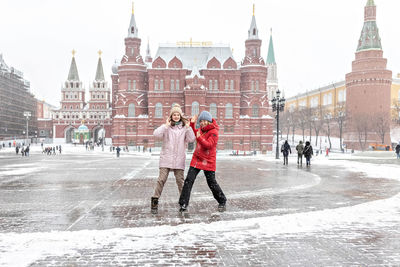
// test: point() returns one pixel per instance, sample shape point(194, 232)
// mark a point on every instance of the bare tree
point(317, 122)
point(326, 127)
point(302, 119)
point(380, 124)
point(396, 111)
point(286, 123)
point(340, 117)
point(293, 122)
point(309, 119)
point(361, 122)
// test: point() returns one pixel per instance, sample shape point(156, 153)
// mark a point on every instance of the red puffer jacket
point(204, 157)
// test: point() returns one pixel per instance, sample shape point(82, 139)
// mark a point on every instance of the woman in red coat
point(204, 158)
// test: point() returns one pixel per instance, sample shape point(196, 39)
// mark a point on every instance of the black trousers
point(299, 158)
point(212, 184)
point(308, 162)
point(285, 159)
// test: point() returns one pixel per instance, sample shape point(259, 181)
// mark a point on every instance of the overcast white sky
point(314, 40)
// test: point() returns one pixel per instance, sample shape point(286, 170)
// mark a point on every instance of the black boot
point(154, 204)
point(221, 207)
point(183, 208)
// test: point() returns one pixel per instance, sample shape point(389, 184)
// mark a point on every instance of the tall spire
point(148, 54)
point(369, 38)
point(73, 70)
point(271, 53)
point(99, 71)
point(132, 31)
point(253, 31)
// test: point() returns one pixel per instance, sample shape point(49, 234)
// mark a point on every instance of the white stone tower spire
point(133, 30)
point(253, 30)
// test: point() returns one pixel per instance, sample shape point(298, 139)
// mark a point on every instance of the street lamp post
point(278, 103)
point(27, 115)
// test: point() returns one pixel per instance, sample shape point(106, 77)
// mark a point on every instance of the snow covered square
point(90, 208)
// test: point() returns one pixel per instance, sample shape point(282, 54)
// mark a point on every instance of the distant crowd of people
point(306, 151)
point(24, 150)
point(51, 150)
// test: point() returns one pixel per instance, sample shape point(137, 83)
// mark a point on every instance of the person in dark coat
point(118, 150)
point(300, 148)
point(204, 158)
point(398, 150)
point(285, 149)
point(308, 152)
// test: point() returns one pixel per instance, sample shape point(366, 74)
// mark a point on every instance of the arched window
point(159, 112)
point(257, 86)
point(252, 86)
point(177, 85)
point(161, 84)
point(232, 85)
point(172, 85)
point(195, 108)
point(226, 85)
point(216, 85)
point(155, 85)
point(255, 110)
point(213, 110)
point(210, 85)
point(228, 111)
point(131, 110)
point(129, 85)
point(132, 30)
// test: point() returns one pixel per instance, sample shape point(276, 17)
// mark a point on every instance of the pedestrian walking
point(118, 149)
point(204, 158)
point(300, 149)
point(27, 151)
point(176, 134)
point(16, 150)
point(59, 149)
point(285, 149)
point(308, 152)
point(398, 150)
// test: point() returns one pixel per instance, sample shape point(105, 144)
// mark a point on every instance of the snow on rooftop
point(194, 55)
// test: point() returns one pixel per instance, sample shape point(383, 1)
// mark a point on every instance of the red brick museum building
point(197, 76)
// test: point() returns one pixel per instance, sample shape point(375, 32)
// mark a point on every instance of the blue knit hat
point(205, 115)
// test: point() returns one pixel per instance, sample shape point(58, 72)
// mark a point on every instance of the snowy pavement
point(89, 208)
